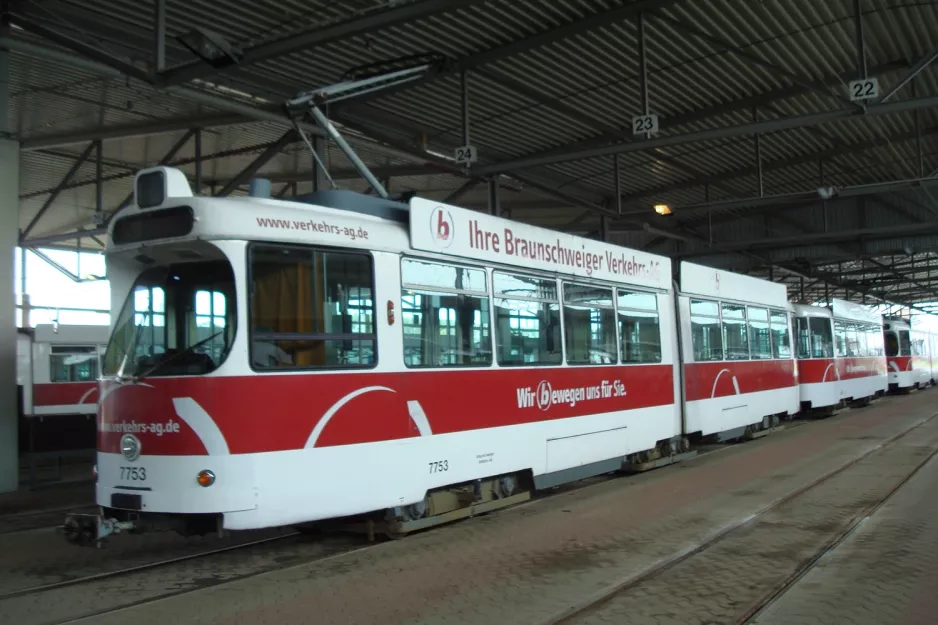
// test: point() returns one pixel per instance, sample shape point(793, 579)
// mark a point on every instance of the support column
point(9, 232)
point(319, 178)
point(494, 201)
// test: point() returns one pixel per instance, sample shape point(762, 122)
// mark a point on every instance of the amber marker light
point(205, 478)
point(662, 209)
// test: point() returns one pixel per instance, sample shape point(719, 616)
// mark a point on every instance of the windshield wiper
point(187, 350)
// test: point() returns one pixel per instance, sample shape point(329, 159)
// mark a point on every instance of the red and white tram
point(58, 368)
point(840, 355)
point(278, 362)
point(910, 352)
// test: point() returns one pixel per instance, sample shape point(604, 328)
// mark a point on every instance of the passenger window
point(781, 341)
point(853, 343)
point(73, 363)
point(803, 338)
point(639, 329)
point(527, 320)
point(840, 338)
point(874, 340)
point(589, 324)
point(734, 332)
point(760, 340)
point(311, 308)
point(444, 315)
point(706, 333)
point(821, 339)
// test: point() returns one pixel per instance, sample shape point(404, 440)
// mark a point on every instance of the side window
point(589, 324)
point(840, 339)
point(853, 343)
point(802, 338)
point(862, 349)
point(760, 341)
point(445, 315)
point(527, 320)
point(781, 342)
point(639, 329)
point(821, 339)
point(73, 363)
point(311, 308)
point(735, 336)
point(875, 340)
point(706, 333)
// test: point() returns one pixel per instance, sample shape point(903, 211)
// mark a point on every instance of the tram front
point(164, 457)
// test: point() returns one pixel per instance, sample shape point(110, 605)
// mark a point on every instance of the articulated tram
point(278, 362)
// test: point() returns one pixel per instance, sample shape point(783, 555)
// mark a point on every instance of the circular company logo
point(442, 227)
point(543, 395)
point(130, 447)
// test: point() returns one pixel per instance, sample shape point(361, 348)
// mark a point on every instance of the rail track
point(590, 606)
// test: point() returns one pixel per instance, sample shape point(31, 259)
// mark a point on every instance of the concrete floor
point(554, 557)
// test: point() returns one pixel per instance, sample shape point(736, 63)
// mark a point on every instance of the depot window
point(444, 315)
point(639, 328)
point(311, 308)
point(527, 320)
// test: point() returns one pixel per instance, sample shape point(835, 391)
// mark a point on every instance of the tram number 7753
point(439, 467)
point(137, 474)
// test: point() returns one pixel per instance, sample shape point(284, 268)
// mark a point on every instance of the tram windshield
point(179, 319)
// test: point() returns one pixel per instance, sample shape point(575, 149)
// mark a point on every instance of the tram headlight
point(205, 478)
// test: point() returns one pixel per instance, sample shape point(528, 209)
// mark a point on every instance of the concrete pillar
point(9, 232)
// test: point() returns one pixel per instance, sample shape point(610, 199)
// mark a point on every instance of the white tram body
point(57, 368)
point(278, 362)
point(840, 354)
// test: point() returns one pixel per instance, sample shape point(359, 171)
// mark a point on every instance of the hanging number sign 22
point(864, 89)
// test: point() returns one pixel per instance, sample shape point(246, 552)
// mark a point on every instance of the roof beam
point(58, 189)
point(58, 238)
point(521, 46)
point(370, 22)
point(820, 238)
point(780, 164)
point(124, 66)
point(125, 131)
point(262, 159)
point(761, 127)
point(723, 108)
point(807, 197)
point(913, 71)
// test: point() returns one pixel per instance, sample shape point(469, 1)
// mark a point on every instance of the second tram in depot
point(278, 362)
